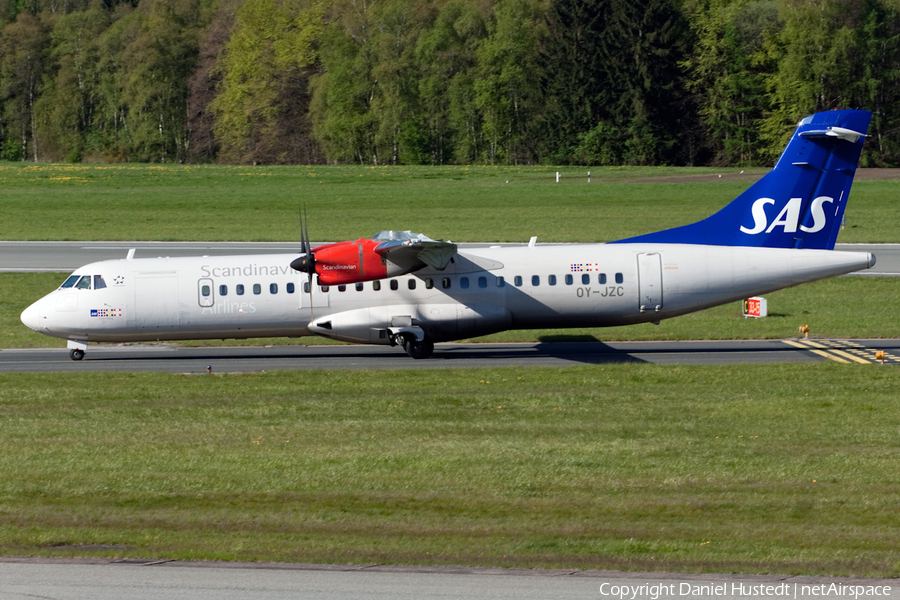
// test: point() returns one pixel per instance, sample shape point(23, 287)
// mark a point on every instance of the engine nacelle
point(367, 260)
point(351, 262)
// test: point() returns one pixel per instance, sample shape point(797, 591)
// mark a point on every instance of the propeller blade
point(302, 212)
point(306, 262)
point(304, 222)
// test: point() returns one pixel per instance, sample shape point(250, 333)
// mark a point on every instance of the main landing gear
point(76, 349)
point(417, 349)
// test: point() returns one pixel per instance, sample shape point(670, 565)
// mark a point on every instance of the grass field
point(481, 204)
point(779, 469)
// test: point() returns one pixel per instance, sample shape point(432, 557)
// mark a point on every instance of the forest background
point(602, 82)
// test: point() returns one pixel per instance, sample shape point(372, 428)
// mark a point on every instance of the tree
point(729, 69)
point(160, 52)
point(395, 102)
point(615, 63)
point(264, 73)
point(344, 88)
point(69, 99)
point(507, 94)
point(880, 81)
point(447, 58)
point(23, 45)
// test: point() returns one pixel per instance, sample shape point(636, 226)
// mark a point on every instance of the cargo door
point(650, 282)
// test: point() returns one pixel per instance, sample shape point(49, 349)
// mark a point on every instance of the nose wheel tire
point(416, 349)
point(76, 353)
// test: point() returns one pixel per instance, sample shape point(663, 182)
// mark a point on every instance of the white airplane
point(411, 291)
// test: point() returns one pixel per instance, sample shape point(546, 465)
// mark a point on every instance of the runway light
point(804, 330)
point(879, 355)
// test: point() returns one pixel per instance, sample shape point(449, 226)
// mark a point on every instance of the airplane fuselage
point(481, 291)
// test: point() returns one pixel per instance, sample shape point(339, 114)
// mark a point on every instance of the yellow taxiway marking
point(850, 356)
point(842, 352)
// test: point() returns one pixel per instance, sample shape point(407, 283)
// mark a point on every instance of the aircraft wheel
point(76, 353)
point(416, 349)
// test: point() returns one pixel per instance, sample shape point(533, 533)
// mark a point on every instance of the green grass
point(843, 307)
point(777, 468)
point(201, 203)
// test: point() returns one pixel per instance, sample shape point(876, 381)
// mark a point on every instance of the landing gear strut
point(417, 349)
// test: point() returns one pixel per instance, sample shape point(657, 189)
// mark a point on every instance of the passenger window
point(569, 280)
point(394, 284)
point(429, 283)
point(70, 281)
point(445, 283)
point(585, 278)
point(273, 288)
point(482, 282)
point(257, 289)
point(305, 287)
point(551, 280)
point(518, 281)
point(535, 280)
point(500, 282)
point(84, 283)
point(411, 284)
point(325, 289)
point(359, 287)
point(205, 290)
point(239, 289)
point(619, 278)
point(290, 288)
point(223, 290)
point(376, 285)
point(602, 279)
point(342, 288)
point(99, 284)
point(464, 283)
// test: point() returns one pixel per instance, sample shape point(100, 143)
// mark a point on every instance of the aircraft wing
point(414, 250)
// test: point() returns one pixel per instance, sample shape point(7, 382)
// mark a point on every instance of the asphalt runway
point(65, 257)
point(141, 580)
point(251, 359)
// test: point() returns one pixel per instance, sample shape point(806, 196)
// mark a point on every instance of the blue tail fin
point(800, 203)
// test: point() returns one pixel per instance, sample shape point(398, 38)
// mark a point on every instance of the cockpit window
point(83, 282)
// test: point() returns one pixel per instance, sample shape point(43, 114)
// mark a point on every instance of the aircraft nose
point(31, 317)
